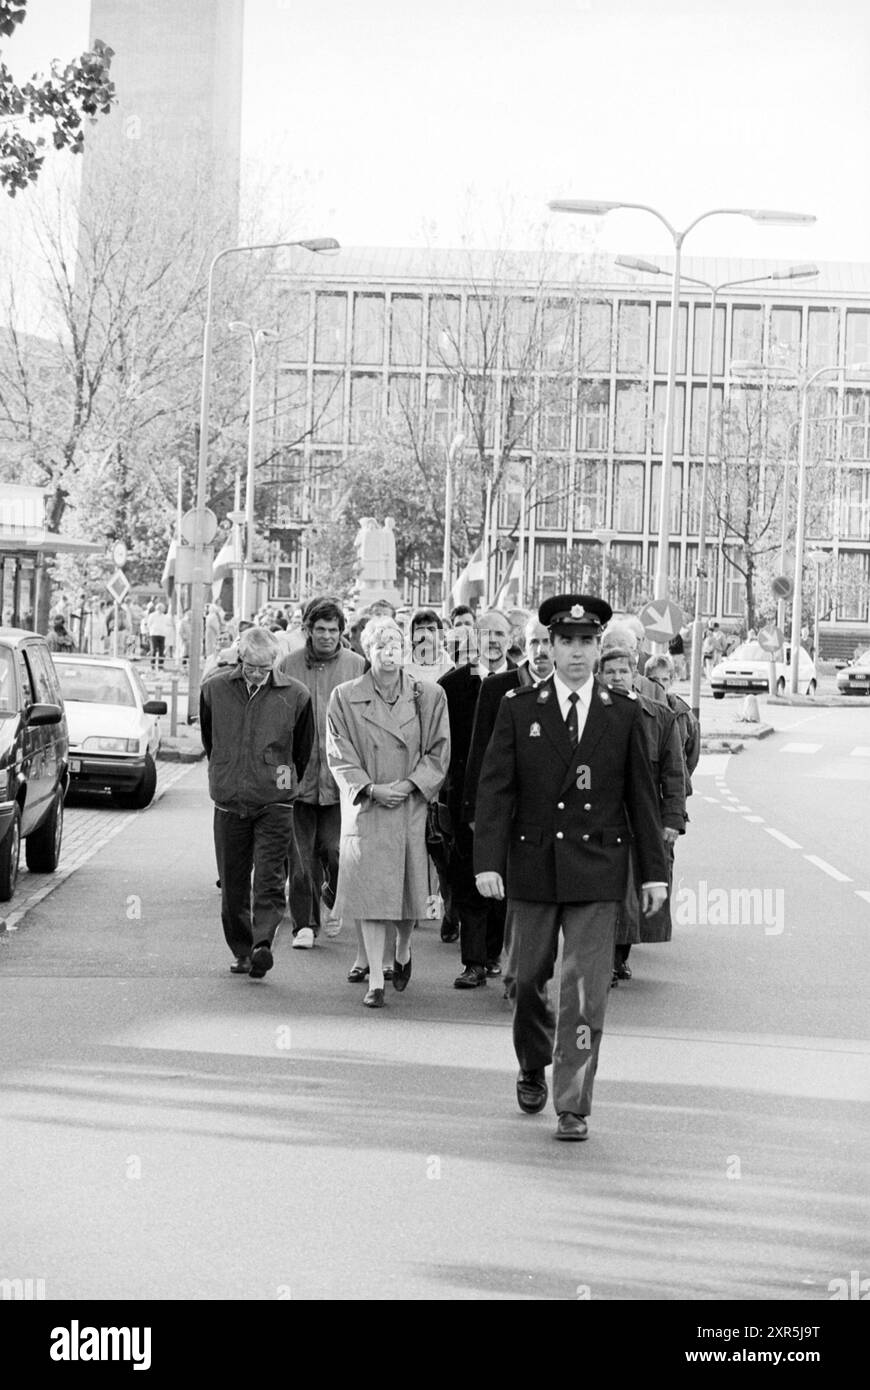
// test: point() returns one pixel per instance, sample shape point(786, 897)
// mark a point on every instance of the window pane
point(701, 344)
point(284, 493)
point(557, 334)
point(326, 472)
point(699, 416)
point(549, 577)
point(857, 337)
point(676, 498)
point(510, 496)
point(746, 335)
point(595, 331)
point(592, 412)
point(365, 406)
point(481, 331)
point(855, 504)
point(785, 337)
point(295, 325)
point(630, 419)
point(328, 422)
point(404, 400)
point(856, 435)
point(406, 328)
point(555, 413)
point(442, 416)
point(590, 493)
point(632, 352)
point(443, 330)
point(853, 586)
point(660, 392)
point(291, 399)
point(628, 497)
point(663, 331)
point(329, 333)
point(521, 333)
point(822, 334)
point(368, 328)
point(551, 494)
point(625, 577)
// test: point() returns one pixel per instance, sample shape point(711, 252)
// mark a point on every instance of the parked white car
point(114, 732)
point(748, 668)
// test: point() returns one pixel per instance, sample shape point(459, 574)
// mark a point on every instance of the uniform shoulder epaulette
point(518, 690)
point(626, 694)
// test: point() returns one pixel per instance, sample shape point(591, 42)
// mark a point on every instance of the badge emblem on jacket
point(535, 731)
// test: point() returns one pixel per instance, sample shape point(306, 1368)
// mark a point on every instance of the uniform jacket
point(462, 688)
point(318, 787)
point(383, 865)
point(551, 819)
point(492, 691)
point(257, 748)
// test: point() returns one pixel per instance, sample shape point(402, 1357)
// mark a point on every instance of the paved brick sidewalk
point(87, 827)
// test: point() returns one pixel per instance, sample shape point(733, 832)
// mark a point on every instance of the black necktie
point(571, 720)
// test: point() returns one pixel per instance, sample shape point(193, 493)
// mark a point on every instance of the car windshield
point(863, 660)
point(98, 685)
point(8, 700)
point(748, 651)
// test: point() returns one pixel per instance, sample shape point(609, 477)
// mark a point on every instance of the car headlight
point(111, 745)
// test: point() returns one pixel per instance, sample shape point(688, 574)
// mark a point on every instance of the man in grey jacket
point(257, 729)
point(321, 665)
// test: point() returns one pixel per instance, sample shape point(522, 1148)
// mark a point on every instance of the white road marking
point(800, 748)
point(730, 808)
point(862, 893)
point(827, 868)
point(742, 808)
point(714, 799)
point(783, 839)
point(754, 820)
point(860, 753)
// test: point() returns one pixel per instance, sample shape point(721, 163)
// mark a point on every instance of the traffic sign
point(770, 639)
point(199, 524)
point(118, 586)
point(661, 620)
point(782, 586)
point(119, 554)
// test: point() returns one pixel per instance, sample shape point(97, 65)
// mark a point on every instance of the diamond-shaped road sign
point(118, 586)
point(661, 620)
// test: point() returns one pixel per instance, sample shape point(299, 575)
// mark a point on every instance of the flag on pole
point(223, 567)
point(471, 581)
point(507, 593)
point(167, 579)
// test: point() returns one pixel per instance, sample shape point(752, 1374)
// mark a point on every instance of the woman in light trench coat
point(388, 747)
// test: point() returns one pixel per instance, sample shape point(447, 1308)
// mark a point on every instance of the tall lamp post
point(598, 208)
point(257, 337)
point(795, 272)
point(197, 592)
point(447, 558)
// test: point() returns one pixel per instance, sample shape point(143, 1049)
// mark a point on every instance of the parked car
point(34, 757)
point(114, 732)
point(748, 668)
point(854, 679)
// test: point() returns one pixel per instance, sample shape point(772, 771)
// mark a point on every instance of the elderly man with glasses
point(257, 730)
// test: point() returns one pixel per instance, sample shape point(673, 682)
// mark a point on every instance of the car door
point(40, 743)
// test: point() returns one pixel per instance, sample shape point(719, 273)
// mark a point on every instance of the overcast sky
point(398, 112)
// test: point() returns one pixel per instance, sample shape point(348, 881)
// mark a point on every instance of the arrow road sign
point(770, 639)
point(661, 620)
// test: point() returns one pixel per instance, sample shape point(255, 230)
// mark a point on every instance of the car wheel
point(10, 852)
point(143, 795)
point(811, 688)
point(718, 694)
point(42, 846)
point(780, 686)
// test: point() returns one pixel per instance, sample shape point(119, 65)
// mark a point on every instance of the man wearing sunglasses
point(257, 730)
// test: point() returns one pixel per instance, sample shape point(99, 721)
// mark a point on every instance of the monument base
point(365, 597)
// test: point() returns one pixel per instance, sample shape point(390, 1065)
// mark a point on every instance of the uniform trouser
point(481, 920)
point(318, 833)
point(257, 843)
point(587, 964)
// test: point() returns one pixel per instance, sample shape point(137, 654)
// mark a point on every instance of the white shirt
point(563, 692)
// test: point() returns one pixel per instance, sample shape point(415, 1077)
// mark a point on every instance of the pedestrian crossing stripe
point(800, 748)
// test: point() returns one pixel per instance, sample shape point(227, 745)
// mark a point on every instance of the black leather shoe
point(471, 977)
point(572, 1127)
point(241, 966)
point(374, 999)
point(449, 934)
point(532, 1091)
point(493, 969)
point(621, 970)
point(401, 975)
point(261, 961)
point(358, 974)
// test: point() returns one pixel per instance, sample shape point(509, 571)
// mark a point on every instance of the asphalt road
point(170, 1131)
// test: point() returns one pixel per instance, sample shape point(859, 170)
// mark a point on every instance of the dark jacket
point(492, 691)
point(257, 748)
point(690, 736)
point(551, 819)
point(462, 688)
point(666, 756)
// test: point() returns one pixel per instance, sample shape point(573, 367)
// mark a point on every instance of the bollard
point(173, 707)
point(750, 713)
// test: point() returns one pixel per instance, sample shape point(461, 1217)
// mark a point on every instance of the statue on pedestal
point(376, 561)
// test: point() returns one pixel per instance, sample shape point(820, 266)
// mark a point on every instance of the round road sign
point(661, 620)
point(782, 586)
point(770, 639)
point(199, 525)
point(119, 554)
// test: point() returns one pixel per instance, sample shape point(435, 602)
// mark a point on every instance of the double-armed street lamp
point(315, 244)
point(599, 208)
point(795, 272)
point(257, 337)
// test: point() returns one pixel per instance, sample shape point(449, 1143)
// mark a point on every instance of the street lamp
point(766, 216)
point(315, 244)
point(795, 272)
point(257, 337)
point(447, 560)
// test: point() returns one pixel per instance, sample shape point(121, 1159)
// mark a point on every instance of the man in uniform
point(566, 763)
